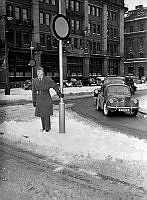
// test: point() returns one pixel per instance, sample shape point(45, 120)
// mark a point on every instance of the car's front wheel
point(133, 112)
point(106, 112)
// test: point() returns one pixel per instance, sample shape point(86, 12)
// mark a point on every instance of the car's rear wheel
point(133, 112)
point(106, 112)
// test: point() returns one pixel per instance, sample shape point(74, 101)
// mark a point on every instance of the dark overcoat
point(41, 96)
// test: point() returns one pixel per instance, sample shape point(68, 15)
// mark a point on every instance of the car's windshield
point(118, 89)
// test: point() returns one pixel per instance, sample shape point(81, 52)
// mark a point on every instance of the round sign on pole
point(60, 27)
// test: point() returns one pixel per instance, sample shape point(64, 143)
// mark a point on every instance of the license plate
point(124, 110)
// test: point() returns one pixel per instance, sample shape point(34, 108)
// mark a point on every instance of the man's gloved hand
point(34, 104)
point(60, 94)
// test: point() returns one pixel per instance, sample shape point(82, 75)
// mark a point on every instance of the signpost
point(60, 28)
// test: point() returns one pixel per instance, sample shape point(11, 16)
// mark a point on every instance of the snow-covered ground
point(84, 143)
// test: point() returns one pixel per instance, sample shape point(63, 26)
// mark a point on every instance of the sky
point(132, 3)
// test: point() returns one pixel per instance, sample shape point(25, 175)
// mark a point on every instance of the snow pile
point(82, 139)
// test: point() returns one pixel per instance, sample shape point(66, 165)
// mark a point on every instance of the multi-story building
point(95, 45)
point(135, 42)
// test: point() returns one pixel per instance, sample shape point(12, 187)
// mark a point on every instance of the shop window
point(28, 74)
point(19, 74)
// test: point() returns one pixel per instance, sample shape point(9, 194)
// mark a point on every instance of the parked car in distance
point(116, 97)
point(27, 85)
point(76, 83)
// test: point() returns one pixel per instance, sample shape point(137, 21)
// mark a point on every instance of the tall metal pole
point(31, 48)
point(61, 104)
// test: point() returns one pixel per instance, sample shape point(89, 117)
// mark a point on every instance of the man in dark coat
point(42, 99)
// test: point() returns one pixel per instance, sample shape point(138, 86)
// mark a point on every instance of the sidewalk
point(85, 147)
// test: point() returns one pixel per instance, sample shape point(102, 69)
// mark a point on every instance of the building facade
point(135, 42)
point(95, 46)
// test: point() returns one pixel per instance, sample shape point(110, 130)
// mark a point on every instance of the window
point(98, 29)
point(75, 42)
point(41, 18)
point(141, 27)
point(89, 7)
point(24, 14)
point(54, 2)
point(46, 1)
point(55, 42)
point(131, 28)
point(98, 12)
point(115, 32)
point(94, 28)
point(67, 4)
point(93, 10)
point(98, 46)
point(94, 47)
point(42, 39)
point(10, 36)
point(72, 5)
point(47, 19)
point(77, 6)
point(9, 11)
point(77, 25)
point(72, 25)
point(18, 39)
point(26, 40)
point(17, 13)
point(49, 45)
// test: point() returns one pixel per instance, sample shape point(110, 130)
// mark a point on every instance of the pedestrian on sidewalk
point(41, 97)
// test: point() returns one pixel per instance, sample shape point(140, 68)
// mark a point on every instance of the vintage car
point(116, 97)
point(108, 80)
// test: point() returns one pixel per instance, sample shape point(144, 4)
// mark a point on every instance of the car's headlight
point(96, 91)
point(111, 100)
point(135, 101)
